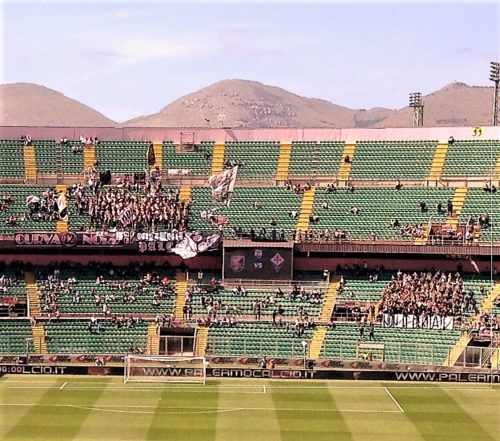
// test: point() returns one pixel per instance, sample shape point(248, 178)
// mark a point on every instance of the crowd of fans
point(140, 208)
point(42, 207)
point(6, 282)
point(427, 294)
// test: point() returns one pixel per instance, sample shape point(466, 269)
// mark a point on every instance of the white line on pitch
point(394, 399)
point(238, 388)
point(62, 387)
point(157, 409)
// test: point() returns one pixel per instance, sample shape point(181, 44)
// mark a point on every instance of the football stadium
point(248, 264)
point(243, 283)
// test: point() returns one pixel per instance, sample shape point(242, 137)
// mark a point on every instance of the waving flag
point(223, 184)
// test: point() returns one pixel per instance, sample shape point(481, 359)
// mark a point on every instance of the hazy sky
point(127, 59)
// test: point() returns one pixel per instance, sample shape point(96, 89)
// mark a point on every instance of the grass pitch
point(83, 408)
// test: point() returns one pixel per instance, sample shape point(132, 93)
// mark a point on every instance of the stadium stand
point(122, 156)
point(375, 210)
point(14, 334)
point(197, 162)
point(329, 158)
point(256, 339)
point(282, 187)
point(85, 291)
point(96, 337)
point(471, 158)
point(303, 159)
point(11, 159)
point(16, 215)
point(258, 160)
point(250, 207)
point(382, 160)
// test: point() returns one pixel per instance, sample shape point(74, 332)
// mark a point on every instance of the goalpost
point(165, 369)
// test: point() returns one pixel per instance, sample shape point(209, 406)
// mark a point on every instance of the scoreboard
point(258, 260)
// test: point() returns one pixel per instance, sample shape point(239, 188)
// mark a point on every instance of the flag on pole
point(150, 155)
point(126, 217)
point(474, 265)
point(223, 184)
point(62, 206)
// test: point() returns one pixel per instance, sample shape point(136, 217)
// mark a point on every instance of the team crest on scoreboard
point(277, 261)
point(237, 263)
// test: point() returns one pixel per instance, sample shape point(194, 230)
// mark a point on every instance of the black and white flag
point(223, 184)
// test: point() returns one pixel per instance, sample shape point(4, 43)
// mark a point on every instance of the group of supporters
point(45, 207)
point(427, 294)
point(149, 207)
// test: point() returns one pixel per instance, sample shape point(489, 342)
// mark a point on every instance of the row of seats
point(373, 160)
point(74, 336)
point(257, 207)
point(250, 207)
point(405, 345)
point(18, 208)
point(257, 340)
point(15, 337)
point(198, 161)
point(243, 303)
point(87, 288)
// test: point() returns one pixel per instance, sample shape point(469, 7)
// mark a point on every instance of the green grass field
point(83, 408)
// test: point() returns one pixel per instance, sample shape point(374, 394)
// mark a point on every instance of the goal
point(164, 369)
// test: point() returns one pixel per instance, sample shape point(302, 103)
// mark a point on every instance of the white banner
point(414, 322)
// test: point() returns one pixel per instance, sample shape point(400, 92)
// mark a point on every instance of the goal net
point(164, 369)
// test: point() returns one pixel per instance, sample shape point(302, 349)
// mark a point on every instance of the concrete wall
point(278, 134)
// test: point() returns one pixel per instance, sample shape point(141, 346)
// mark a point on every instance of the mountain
point(25, 104)
point(252, 104)
point(247, 104)
point(456, 104)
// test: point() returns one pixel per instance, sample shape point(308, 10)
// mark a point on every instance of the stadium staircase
point(456, 351)
point(476, 234)
point(89, 156)
point(218, 157)
point(329, 301)
point(30, 169)
point(201, 341)
point(458, 204)
point(283, 161)
point(33, 296)
point(306, 209)
point(185, 193)
point(180, 295)
point(496, 171)
point(487, 303)
point(317, 341)
point(39, 341)
point(425, 235)
point(153, 339)
point(319, 335)
point(495, 358)
point(345, 167)
point(438, 162)
point(485, 306)
point(61, 225)
point(158, 149)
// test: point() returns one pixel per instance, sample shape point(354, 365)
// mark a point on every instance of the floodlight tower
point(418, 109)
point(495, 77)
